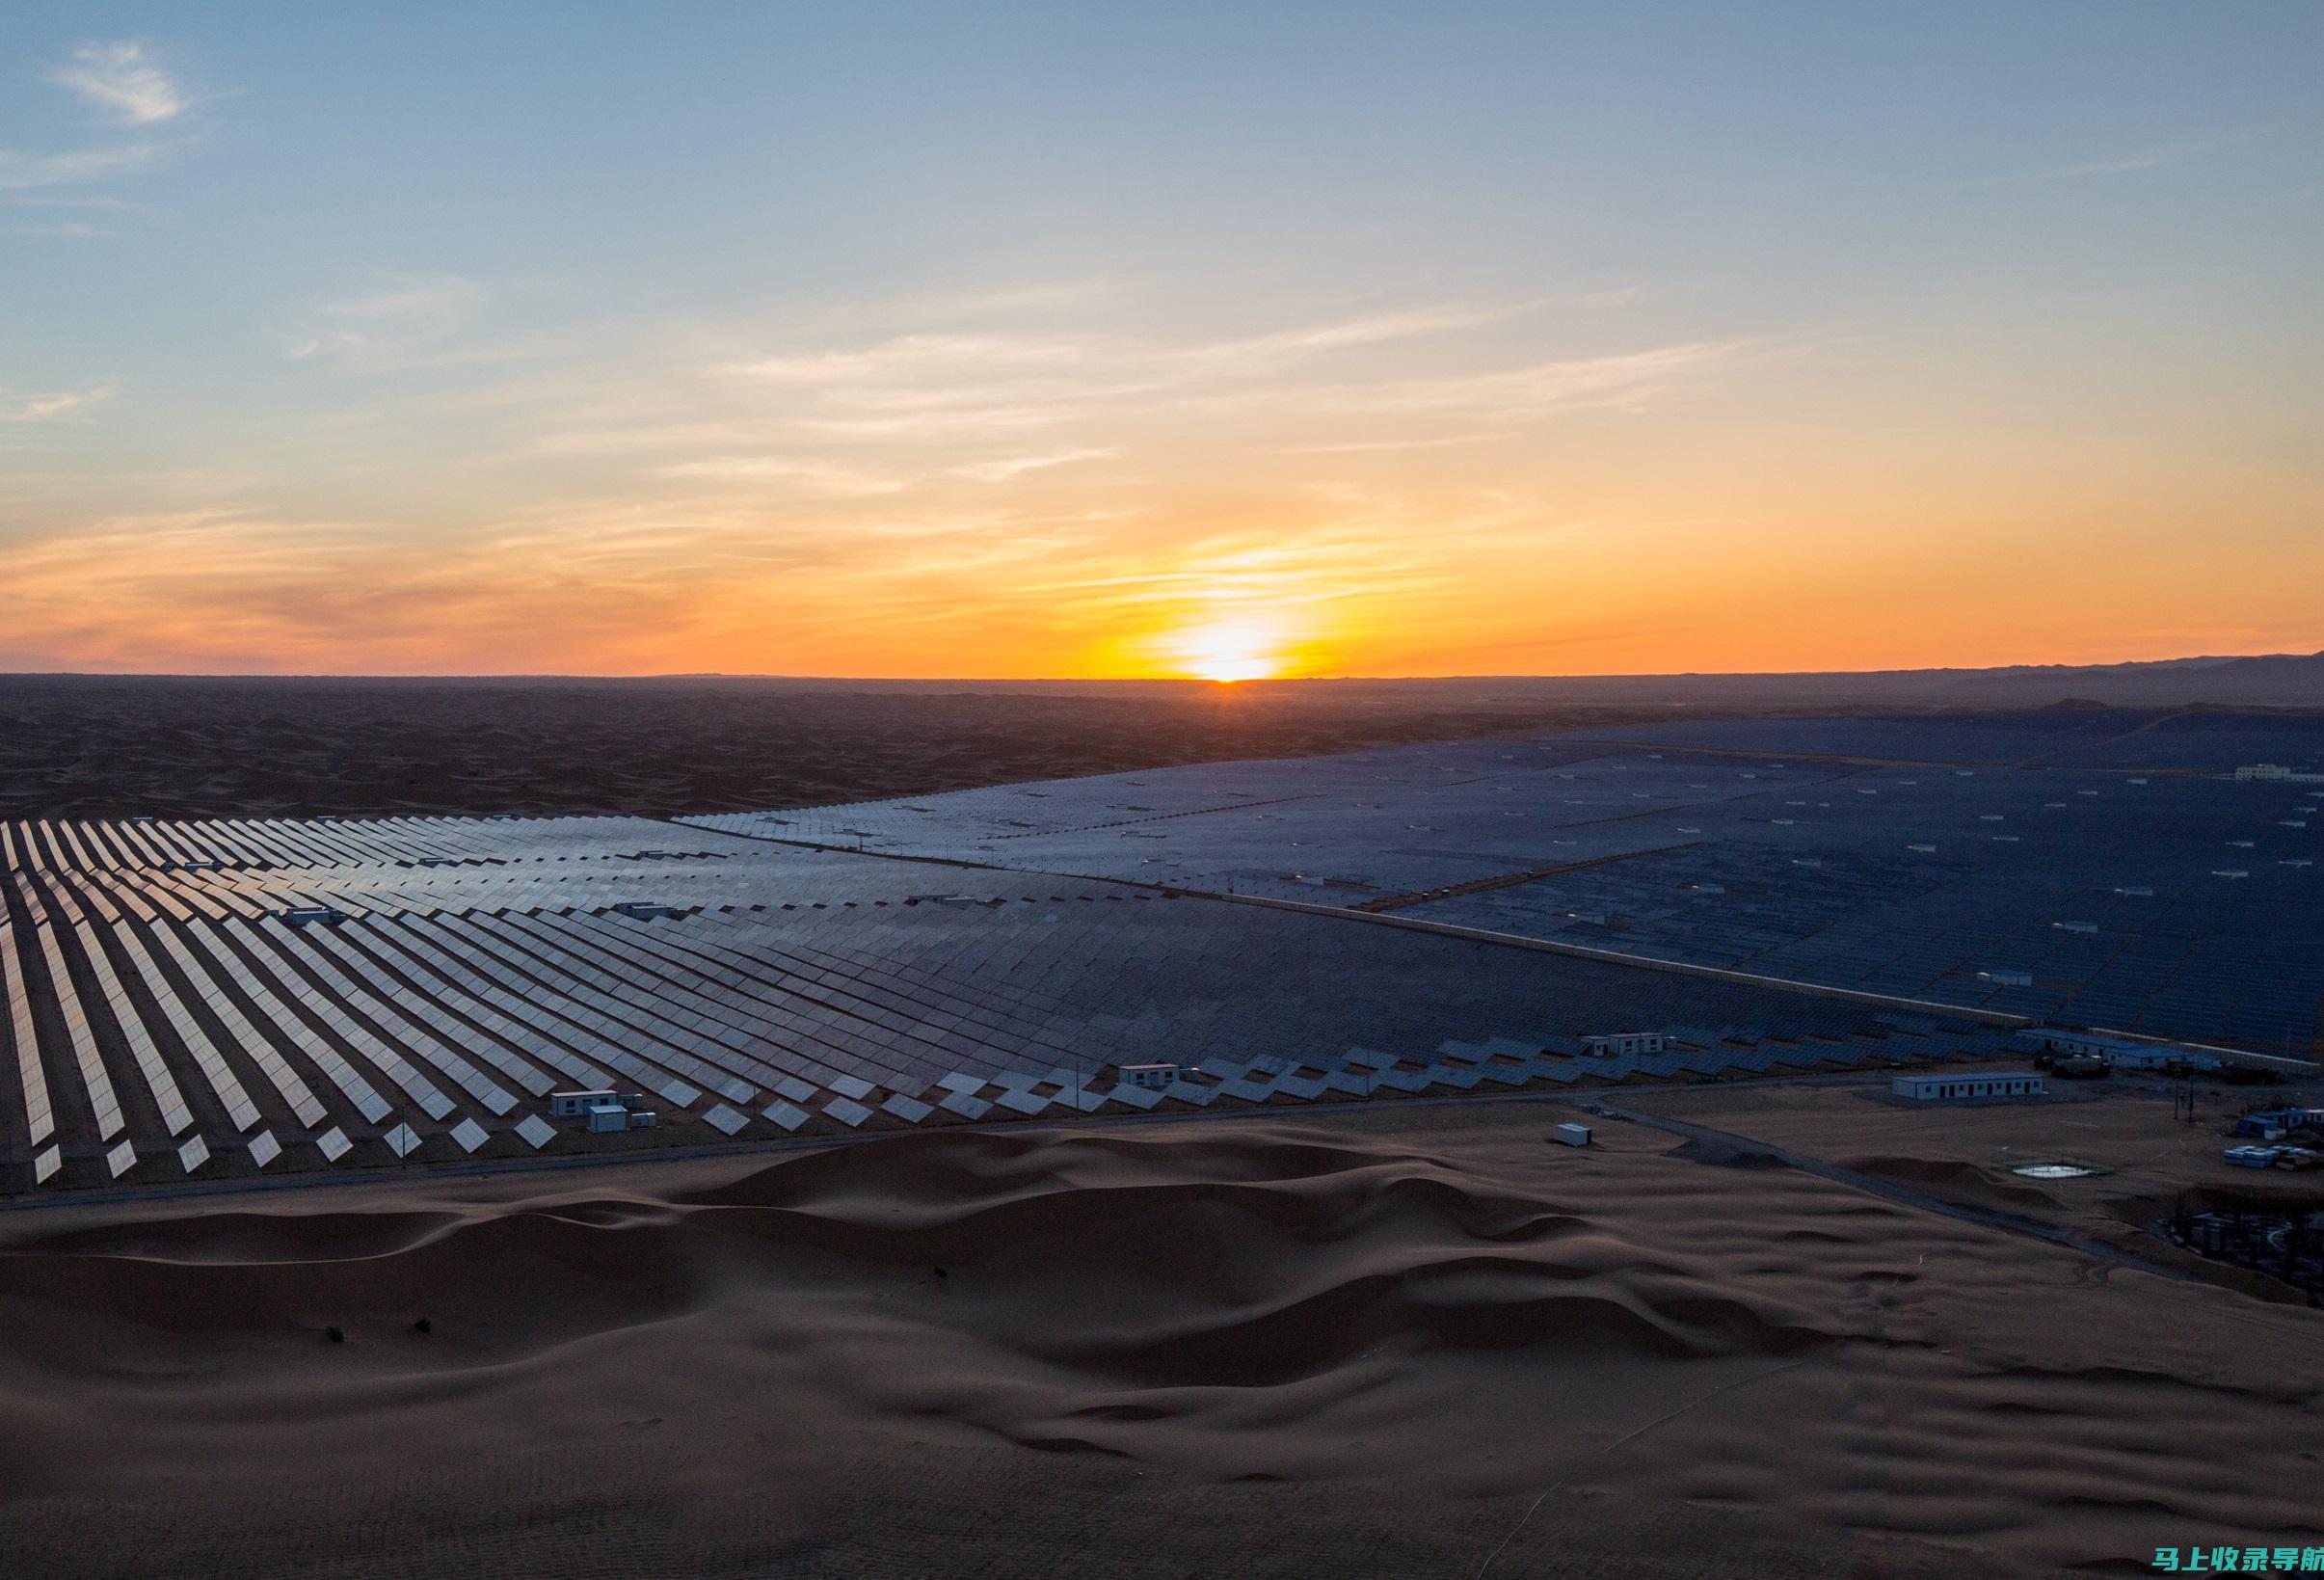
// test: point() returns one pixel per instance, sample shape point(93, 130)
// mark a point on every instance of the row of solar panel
point(851, 1102)
point(154, 843)
point(452, 1015)
point(1222, 842)
point(604, 984)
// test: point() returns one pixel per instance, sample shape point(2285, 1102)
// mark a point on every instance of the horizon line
point(2191, 659)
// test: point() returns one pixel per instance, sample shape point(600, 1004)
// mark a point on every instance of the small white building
point(1151, 1077)
point(1964, 1085)
point(2008, 977)
point(1619, 1044)
point(573, 1104)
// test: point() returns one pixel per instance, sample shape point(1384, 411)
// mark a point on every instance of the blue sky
point(1389, 339)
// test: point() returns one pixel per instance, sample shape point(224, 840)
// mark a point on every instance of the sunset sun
point(1237, 648)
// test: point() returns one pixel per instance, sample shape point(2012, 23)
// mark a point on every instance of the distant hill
point(2268, 680)
point(2274, 680)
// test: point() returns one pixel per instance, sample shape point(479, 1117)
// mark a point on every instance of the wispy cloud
point(952, 389)
point(1122, 363)
point(1542, 388)
point(408, 316)
point(1017, 465)
point(43, 408)
point(908, 357)
point(796, 500)
point(839, 479)
point(825, 476)
point(22, 172)
point(1365, 446)
point(1050, 297)
point(2150, 158)
point(123, 80)
point(98, 205)
point(1259, 353)
point(634, 439)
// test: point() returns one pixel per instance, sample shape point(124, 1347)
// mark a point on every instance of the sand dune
point(1364, 1347)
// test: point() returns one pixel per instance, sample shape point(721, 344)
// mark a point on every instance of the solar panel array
point(205, 1000)
point(2110, 858)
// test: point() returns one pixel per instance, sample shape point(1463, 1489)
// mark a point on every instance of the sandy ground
point(2146, 1157)
point(100, 747)
point(1407, 1341)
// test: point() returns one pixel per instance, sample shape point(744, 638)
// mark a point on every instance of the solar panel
point(619, 1004)
point(161, 1084)
point(373, 995)
point(96, 1082)
point(38, 1116)
point(386, 1059)
point(205, 973)
point(467, 957)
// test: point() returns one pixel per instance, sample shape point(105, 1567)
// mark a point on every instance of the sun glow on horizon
point(1231, 649)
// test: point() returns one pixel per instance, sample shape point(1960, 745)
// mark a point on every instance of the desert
point(1405, 1339)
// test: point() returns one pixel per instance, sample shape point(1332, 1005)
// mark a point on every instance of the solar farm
point(201, 999)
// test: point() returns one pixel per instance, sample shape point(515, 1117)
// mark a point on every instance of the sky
point(1108, 339)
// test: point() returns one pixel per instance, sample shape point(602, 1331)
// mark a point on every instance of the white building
point(1962, 1086)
